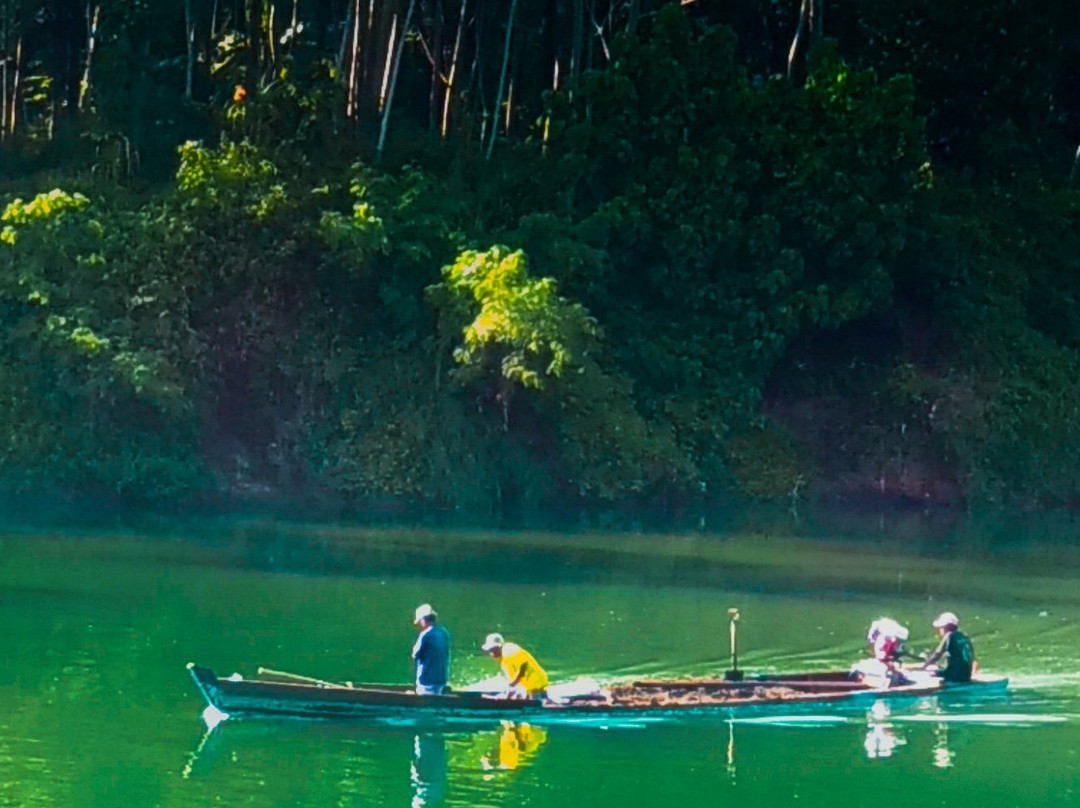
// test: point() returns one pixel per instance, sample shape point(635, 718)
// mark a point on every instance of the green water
point(96, 708)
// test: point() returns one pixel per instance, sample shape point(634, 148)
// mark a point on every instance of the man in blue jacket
point(431, 653)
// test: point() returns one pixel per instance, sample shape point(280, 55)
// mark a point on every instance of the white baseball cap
point(493, 641)
point(946, 619)
point(422, 611)
point(888, 627)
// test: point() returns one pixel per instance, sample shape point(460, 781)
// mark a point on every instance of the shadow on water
point(434, 549)
point(744, 563)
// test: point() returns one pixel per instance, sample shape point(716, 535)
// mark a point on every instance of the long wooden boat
point(236, 696)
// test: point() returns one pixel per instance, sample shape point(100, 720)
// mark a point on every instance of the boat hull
point(245, 697)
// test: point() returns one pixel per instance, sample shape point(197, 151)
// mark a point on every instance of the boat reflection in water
point(883, 737)
point(885, 733)
point(490, 754)
point(444, 765)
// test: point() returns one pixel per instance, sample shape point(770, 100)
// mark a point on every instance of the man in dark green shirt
point(956, 646)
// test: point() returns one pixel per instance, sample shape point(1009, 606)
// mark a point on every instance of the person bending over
point(527, 680)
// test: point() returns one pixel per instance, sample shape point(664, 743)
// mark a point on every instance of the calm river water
point(97, 709)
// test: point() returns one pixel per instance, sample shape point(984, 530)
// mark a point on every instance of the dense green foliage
point(684, 270)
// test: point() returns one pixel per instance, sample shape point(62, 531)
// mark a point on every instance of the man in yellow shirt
point(525, 678)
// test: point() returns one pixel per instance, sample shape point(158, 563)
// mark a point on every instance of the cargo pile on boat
point(637, 695)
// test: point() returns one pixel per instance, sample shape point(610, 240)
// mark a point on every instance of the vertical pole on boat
point(734, 675)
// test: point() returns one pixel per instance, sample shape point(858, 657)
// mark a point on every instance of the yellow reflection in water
point(517, 743)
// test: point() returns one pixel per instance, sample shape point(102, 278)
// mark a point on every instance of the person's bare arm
point(520, 674)
point(937, 653)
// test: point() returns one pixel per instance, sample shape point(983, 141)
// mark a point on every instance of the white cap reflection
point(943, 757)
point(881, 740)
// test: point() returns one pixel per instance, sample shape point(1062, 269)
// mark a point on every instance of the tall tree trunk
point(436, 68)
point(768, 43)
point(380, 17)
point(15, 86)
point(5, 38)
point(354, 59)
point(388, 66)
point(502, 78)
point(515, 71)
point(321, 15)
point(547, 118)
point(578, 42)
point(351, 14)
point(398, 48)
point(93, 18)
point(189, 30)
point(67, 28)
point(600, 28)
point(453, 70)
point(509, 107)
point(807, 33)
point(254, 41)
point(268, 23)
point(635, 14)
point(476, 91)
point(590, 24)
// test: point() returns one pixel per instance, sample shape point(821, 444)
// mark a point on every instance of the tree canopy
point(515, 257)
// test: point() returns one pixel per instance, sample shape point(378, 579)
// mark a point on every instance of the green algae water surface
point(97, 709)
